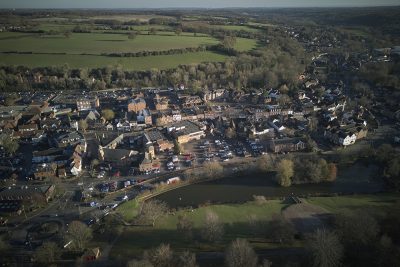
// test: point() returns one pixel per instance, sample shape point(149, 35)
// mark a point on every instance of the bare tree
point(10, 145)
point(161, 256)
point(139, 263)
point(152, 210)
point(47, 253)
point(281, 230)
point(187, 259)
point(240, 254)
point(213, 228)
point(79, 233)
point(213, 169)
point(185, 226)
point(325, 249)
point(83, 125)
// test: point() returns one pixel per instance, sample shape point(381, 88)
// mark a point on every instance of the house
point(214, 94)
point(144, 117)
point(91, 254)
point(190, 101)
point(286, 145)
point(136, 105)
point(346, 138)
point(160, 103)
point(65, 139)
point(27, 193)
point(118, 157)
point(149, 164)
point(44, 171)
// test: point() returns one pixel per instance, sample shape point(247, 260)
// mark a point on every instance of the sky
point(190, 3)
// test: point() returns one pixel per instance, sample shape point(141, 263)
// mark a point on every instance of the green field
point(342, 203)
point(97, 43)
point(135, 240)
point(128, 63)
point(244, 44)
point(238, 28)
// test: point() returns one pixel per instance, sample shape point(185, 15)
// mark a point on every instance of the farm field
point(97, 43)
point(238, 28)
point(128, 63)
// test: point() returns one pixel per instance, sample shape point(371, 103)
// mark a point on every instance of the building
point(160, 103)
point(144, 117)
point(118, 157)
point(186, 131)
point(136, 105)
point(87, 103)
point(286, 145)
point(149, 164)
point(24, 193)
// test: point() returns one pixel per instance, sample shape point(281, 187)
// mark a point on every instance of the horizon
point(191, 4)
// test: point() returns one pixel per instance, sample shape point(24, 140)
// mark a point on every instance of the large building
point(87, 103)
point(136, 105)
point(186, 131)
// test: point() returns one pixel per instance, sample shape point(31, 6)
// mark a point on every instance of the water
point(355, 179)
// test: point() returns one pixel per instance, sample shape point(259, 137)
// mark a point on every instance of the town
point(91, 158)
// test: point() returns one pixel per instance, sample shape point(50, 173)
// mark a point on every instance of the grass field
point(235, 217)
point(135, 240)
point(96, 43)
point(129, 63)
point(238, 28)
point(339, 204)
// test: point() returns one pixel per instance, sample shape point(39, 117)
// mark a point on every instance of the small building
point(91, 254)
point(87, 103)
point(286, 145)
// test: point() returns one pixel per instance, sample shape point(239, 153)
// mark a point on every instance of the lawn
point(97, 43)
point(338, 204)
point(128, 63)
point(235, 217)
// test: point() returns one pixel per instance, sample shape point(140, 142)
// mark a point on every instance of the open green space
point(129, 17)
point(235, 218)
point(238, 28)
point(342, 203)
point(96, 43)
point(244, 44)
point(136, 239)
point(128, 63)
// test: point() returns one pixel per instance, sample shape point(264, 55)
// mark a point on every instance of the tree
point(79, 233)
point(212, 229)
point(151, 211)
point(132, 35)
point(47, 253)
point(185, 226)
point(230, 133)
point(161, 256)
point(281, 230)
point(213, 169)
point(285, 172)
point(108, 114)
point(187, 259)
point(240, 254)
point(178, 148)
point(178, 31)
point(82, 125)
point(10, 145)
point(356, 228)
point(325, 249)
point(67, 34)
point(264, 163)
point(152, 31)
point(332, 172)
point(228, 42)
point(139, 263)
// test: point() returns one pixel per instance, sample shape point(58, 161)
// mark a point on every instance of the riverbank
point(237, 220)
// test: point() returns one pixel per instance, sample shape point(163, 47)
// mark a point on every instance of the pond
point(357, 178)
